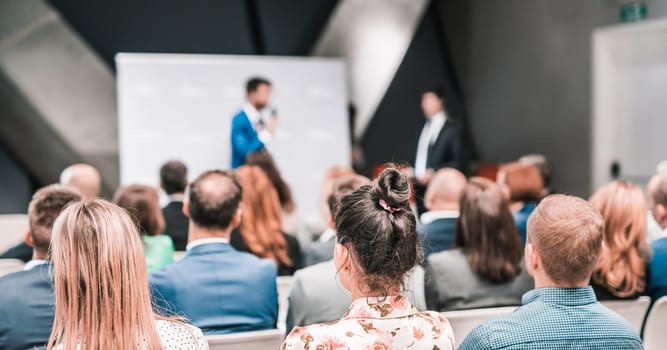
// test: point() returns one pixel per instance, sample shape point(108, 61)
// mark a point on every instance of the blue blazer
point(27, 308)
point(219, 289)
point(438, 235)
point(244, 139)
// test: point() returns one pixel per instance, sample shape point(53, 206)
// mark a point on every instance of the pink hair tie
point(387, 207)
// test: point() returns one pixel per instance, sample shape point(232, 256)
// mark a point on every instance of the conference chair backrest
point(12, 230)
point(655, 337)
point(284, 283)
point(463, 321)
point(632, 311)
point(8, 266)
point(257, 340)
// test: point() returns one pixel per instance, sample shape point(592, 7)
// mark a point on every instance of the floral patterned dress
point(376, 324)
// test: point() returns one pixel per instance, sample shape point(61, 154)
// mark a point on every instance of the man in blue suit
point(438, 225)
point(27, 303)
point(218, 289)
point(250, 133)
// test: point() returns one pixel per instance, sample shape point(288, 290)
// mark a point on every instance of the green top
point(159, 251)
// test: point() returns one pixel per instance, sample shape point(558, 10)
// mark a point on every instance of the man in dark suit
point(251, 132)
point(27, 303)
point(438, 225)
point(217, 288)
point(173, 180)
point(440, 145)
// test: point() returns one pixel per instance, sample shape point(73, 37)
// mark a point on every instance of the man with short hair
point(173, 180)
point(27, 303)
point(82, 177)
point(438, 225)
point(217, 288)
point(564, 243)
point(657, 198)
point(250, 131)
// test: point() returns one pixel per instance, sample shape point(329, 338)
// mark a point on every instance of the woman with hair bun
point(377, 245)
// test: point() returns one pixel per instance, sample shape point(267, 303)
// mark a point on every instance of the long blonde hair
point(621, 268)
point(100, 280)
point(261, 226)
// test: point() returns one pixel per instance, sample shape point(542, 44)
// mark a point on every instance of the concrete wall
point(525, 67)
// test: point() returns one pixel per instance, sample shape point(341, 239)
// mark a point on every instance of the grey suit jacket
point(317, 252)
point(451, 284)
point(316, 296)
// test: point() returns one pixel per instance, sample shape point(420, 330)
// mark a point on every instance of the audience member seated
point(84, 178)
point(316, 226)
point(290, 220)
point(217, 288)
point(525, 189)
point(621, 271)
point(564, 242)
point(260, 232)
point(377, 245)
point(143, 204)
point(322, 249)
point(442, 197)
point(540, 162)
point(485, 268)
point(657, 194)
point(315, 295)
point(174, 180)
point(101, 286)
point(26, 297)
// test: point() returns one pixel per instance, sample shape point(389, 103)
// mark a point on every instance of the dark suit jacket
point(449, 149)
point(21, 251)
point(244, 139)
point(219, 289)
point(437, 235)
point(27, 307)
point(176, 224)
point(293, 251)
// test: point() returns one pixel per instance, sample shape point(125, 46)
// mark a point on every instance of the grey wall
point(525, 67)
point(16, 186)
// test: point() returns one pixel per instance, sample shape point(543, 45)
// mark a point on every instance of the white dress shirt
point(256, 120)
point(430, 216)
point(206, 241)
point(427, 138)
point(34, 263)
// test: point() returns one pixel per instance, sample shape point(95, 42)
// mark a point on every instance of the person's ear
point(341, 257)
point(238, 218)
point(186, 207)
point(531, 260)
point(28, 238)
point(332, 222)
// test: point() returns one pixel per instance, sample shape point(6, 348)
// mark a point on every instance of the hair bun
point(393, 187)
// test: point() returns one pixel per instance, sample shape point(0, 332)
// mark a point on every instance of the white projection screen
point(629, 100)
point(179, 106)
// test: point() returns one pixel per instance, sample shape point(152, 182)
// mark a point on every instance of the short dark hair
point(436, 90)
point(342, 187)
point(44, 208)
point(213, 205)
point(253, 83)
point(377, 226)
point(174, 176)
point(486, 232)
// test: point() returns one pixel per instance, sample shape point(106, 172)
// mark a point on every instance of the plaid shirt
point(555, 318)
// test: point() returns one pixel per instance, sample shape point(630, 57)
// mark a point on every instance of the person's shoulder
point(499, 332)
point(447, 257)
point(177, 335)
point(315, 272)
point(659, 246)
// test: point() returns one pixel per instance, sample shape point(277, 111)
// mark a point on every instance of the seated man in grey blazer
point(27, 303)
point(316, 296)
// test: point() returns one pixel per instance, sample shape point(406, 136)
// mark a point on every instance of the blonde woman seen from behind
point(101, 286)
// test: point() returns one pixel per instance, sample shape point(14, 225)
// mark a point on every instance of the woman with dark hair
point(526, 188)
point(143, 204)
point(377, 245)
point(485, 268)
point(260, 232)
point(263, 159)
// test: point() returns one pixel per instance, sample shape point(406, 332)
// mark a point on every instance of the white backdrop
point(177, 106)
